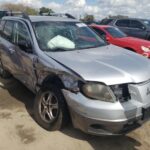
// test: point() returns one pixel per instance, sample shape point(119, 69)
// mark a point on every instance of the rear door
point(7, 47)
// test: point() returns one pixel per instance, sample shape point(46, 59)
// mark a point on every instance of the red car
point(115, 36)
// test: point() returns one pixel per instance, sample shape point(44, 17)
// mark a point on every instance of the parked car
point(104, 89)
point(139, 28)
point(115, 36)
point(3, 13)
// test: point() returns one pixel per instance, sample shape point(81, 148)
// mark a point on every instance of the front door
point(137, 29)
point(25, 55)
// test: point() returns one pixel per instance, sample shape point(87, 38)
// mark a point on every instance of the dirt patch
point(5, 115)
point(26, 135)
point(19, 131)
point(15, 96)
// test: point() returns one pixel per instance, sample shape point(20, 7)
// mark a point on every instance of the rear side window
point(8, 30)
point(2, 23)
point(123, 23)
point(106, 21)
point(136, 24)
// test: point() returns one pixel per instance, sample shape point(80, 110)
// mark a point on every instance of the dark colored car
point(139, 28)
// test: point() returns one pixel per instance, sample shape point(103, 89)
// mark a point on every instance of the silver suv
point(104, 89)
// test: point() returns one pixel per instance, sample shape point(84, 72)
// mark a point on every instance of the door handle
point(11, 50)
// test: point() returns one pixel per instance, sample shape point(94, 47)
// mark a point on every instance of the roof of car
point(43, 18)
point(126, 19)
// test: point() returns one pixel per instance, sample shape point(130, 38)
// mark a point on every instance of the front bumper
point(100, 127)
point(103, 118)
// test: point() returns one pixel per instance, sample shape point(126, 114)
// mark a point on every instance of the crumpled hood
point(108, 64)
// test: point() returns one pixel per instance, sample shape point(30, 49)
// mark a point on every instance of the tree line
point(24, 8)
point(35, 11)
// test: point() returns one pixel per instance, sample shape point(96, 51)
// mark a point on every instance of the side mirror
point(25, 46)
point(143, 28)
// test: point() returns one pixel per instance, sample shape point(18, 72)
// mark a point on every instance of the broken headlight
point(121, 92)
point(98, 91)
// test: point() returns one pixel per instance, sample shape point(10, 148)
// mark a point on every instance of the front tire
point(50, 109)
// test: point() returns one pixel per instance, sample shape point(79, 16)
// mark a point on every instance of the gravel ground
point(19, 131)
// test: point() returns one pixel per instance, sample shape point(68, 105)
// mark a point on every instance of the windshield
point(115, 32)
point(63, 36)
point(146, 22)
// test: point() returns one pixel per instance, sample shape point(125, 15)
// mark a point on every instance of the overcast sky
point(99, 8)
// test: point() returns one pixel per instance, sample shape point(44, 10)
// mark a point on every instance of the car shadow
point(22, 94)
point(123, 142)
point(19, 92)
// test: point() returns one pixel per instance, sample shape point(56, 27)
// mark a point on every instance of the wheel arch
point(52, 79)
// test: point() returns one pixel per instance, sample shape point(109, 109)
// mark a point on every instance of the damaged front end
point(121, 92)
point(70, 82)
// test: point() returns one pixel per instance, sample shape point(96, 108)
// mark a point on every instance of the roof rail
point(18, 13)
point(58, 15)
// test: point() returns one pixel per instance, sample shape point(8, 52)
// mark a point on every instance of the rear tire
point(50, 109)
point(3, 73)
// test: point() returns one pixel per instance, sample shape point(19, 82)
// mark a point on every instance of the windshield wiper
point(96, 46)
point(59, 50)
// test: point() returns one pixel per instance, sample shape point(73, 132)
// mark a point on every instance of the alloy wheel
point(48, 107)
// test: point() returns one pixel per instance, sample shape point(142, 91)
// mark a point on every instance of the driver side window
point(21, 34)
